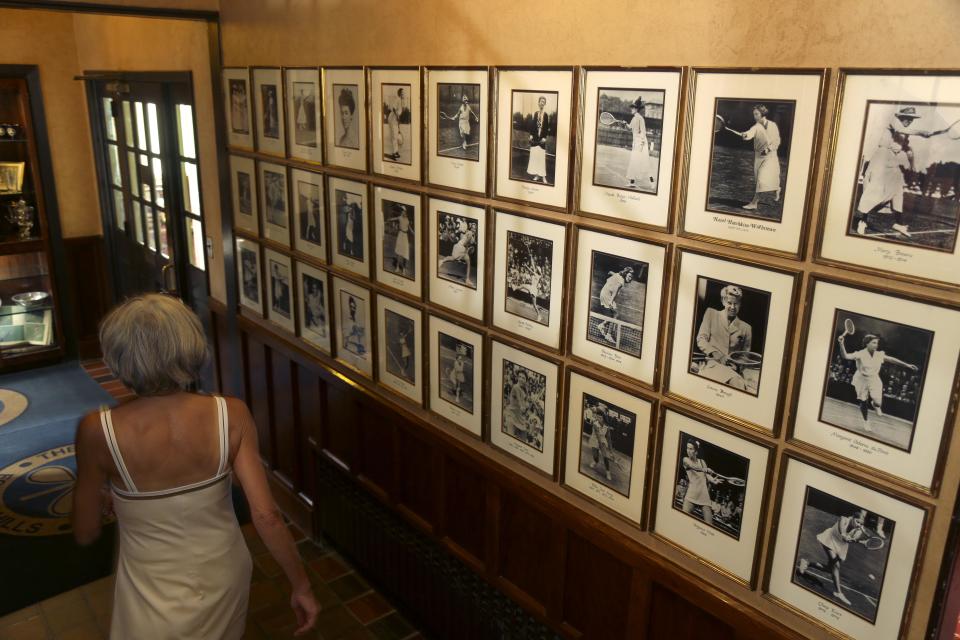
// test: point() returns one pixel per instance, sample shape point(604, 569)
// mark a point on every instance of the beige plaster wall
point(45, 38)
point(116, 43)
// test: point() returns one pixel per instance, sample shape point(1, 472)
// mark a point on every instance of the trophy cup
point(21, 214)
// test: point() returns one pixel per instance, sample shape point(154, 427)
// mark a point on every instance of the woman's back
point(183, 568)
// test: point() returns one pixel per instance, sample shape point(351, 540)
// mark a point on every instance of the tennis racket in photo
point(746, 359)
point(848, 328)
point(873, 543)
point(736, 482)
point(443, 115)
point(719, 124)
point(608, 119)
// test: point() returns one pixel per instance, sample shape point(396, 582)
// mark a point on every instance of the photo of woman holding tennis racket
point(629, 131)
point(712, 493)
point(875, 377)
point(835, 533)
point(909, 175)
point(728, 346)
point(745, 183)
point(533, 156)
point(458, 120)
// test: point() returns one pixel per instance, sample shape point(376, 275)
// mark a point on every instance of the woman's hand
point(305, 607)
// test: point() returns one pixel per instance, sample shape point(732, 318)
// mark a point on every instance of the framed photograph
point(273, 202)
point(617, 304)
point(456, 367)
point(710, 495)
point(528, 277)
point(458, 240)
point(280, 290)
point(523, 405)
point(310, 237)
point(345, 117)
point(400, 356)
point(534, 114)
point(354, 331)
point(458, 113)
point(732, 324)
point(349, 224)
point(303, 114)
point(398, 229)
point(753, 138)
point(242, 181)
point(11, 177)
point(395, 118)
point(629, 138)
point(267, 100)
point(236, 99)
point(893, 199)
point(248, 273)
point(845, 554)
point(314, 318)
point(607, 433)
point(878, 371)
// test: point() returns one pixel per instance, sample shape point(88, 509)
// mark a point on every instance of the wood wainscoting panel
point(464, 509)
point(259, 389)
point(419, 474)
point(284, 428)
point(672, 616)
point(596, 598)
point(376, 462)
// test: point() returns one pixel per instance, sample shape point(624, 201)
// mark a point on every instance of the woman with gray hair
point(183, 568)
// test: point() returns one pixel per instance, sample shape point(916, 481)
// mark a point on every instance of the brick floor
point(349, 608)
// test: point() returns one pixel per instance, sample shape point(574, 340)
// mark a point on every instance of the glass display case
point(30, 330)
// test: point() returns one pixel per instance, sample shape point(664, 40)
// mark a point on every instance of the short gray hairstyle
point(154, 344)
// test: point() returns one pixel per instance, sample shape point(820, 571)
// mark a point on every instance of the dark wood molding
point(87, 277)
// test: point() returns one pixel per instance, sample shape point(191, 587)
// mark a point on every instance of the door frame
point(173, 187)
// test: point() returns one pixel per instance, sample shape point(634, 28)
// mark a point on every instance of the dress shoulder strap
point(106, 423)
point(223, 425)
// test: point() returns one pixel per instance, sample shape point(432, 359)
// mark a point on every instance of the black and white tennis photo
point(305, 113)
point(875, 376)
point(275, 188)
point(314, 309)
point(250, 269)
point(629, 132)
point(280, 289)
point(533, 138)
point(842, 553)
point(239, 107)
point(399, 234)
point(346, 120)
point(711, 484)
point(270, 127)
point(730, 323)
point(457, 248)
point(308, 212)
point(618, 291)
point(245, 192)
point(908, 182)
point(395, 122)
point(350, 236)
point(352, 327)
point(606, 443)
point(458, 121)
point(748, 156)
point(524, 404)
point(400, 334)
point(456, 372)
point(529, 276)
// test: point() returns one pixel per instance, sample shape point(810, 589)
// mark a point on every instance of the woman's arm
point(899, 362)
point(89, 499)
point(266, 516)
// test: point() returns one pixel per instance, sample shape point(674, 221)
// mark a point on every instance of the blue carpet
point(37, 473)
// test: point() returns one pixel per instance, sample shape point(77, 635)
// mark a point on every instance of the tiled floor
point(349, 608)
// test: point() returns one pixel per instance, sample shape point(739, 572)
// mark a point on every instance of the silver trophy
point(21, 214)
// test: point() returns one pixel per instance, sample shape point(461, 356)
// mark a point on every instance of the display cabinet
point(30, 327)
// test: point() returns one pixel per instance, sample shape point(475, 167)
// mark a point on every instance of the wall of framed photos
point(406, 249)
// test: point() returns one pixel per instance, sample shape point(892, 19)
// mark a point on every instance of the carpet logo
point(36, 493)
point(12, 404)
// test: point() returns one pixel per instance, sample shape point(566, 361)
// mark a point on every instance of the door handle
point(168, 280)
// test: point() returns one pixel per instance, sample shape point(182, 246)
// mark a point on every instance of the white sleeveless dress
point(184, 568)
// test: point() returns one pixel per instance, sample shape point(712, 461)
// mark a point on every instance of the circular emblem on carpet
point(36, 493)
point(12, 404)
